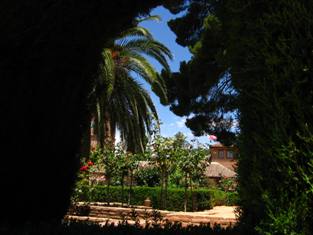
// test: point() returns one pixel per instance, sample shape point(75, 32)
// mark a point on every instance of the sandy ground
point(225, 212)
point(223, 215)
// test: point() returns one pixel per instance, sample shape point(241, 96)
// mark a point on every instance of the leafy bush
point(232, 199)
point(202, 198)
point(227, 184)
point(218, 197)
point(175, 196)
point(148, 176)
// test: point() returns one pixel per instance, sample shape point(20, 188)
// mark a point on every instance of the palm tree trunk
point(109, 130)
point(105, 126)
point(86, 140)
point(100, 126)
point(113, 132)
point(96, 128)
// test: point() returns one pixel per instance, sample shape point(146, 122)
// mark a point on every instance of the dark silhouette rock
point(49, 54)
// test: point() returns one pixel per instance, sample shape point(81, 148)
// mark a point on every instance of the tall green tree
point(164, 155)
point(203, 89)
point(255, 58)
point(121, 101)
point(192, 159)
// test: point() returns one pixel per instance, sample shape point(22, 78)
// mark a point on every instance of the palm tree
point(121, 101)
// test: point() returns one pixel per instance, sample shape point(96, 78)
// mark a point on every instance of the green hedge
point(175, 196)
point(203, 198)
point(222, 198)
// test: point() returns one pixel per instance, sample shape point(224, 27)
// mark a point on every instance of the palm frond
point(134, 111)
point(137, 31)
point(139, 65)
point(108, 72)
point(154, 18)
point(129, 105)
point(150, 48)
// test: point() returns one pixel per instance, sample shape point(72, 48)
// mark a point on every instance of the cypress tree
point(266, 48)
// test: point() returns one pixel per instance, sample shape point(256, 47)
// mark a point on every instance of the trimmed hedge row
point(175, 196)
point(222, 198)
point(202, 198)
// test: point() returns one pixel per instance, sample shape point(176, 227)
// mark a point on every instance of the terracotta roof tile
point(216, 169)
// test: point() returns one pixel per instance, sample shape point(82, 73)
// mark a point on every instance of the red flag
point(212, 137)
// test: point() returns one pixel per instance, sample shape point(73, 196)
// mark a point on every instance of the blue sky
point(171, 124)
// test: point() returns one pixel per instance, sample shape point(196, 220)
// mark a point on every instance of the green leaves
point(137, 31)
point(133, 111)
point(148, 47)
point(120, 97)
point(153, 18)
point(107, 72)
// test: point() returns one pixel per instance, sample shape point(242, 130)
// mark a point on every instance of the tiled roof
point(218, 144)
point(215, 169)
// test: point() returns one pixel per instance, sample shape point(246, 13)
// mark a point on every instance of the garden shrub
point(219, 197)
point(232, 198)
point(203, 198)
point(148, 176)
point(175, 196)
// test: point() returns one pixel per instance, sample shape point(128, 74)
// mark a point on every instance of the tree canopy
point(121, 101)
point(254, 59)
point(203, 89)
